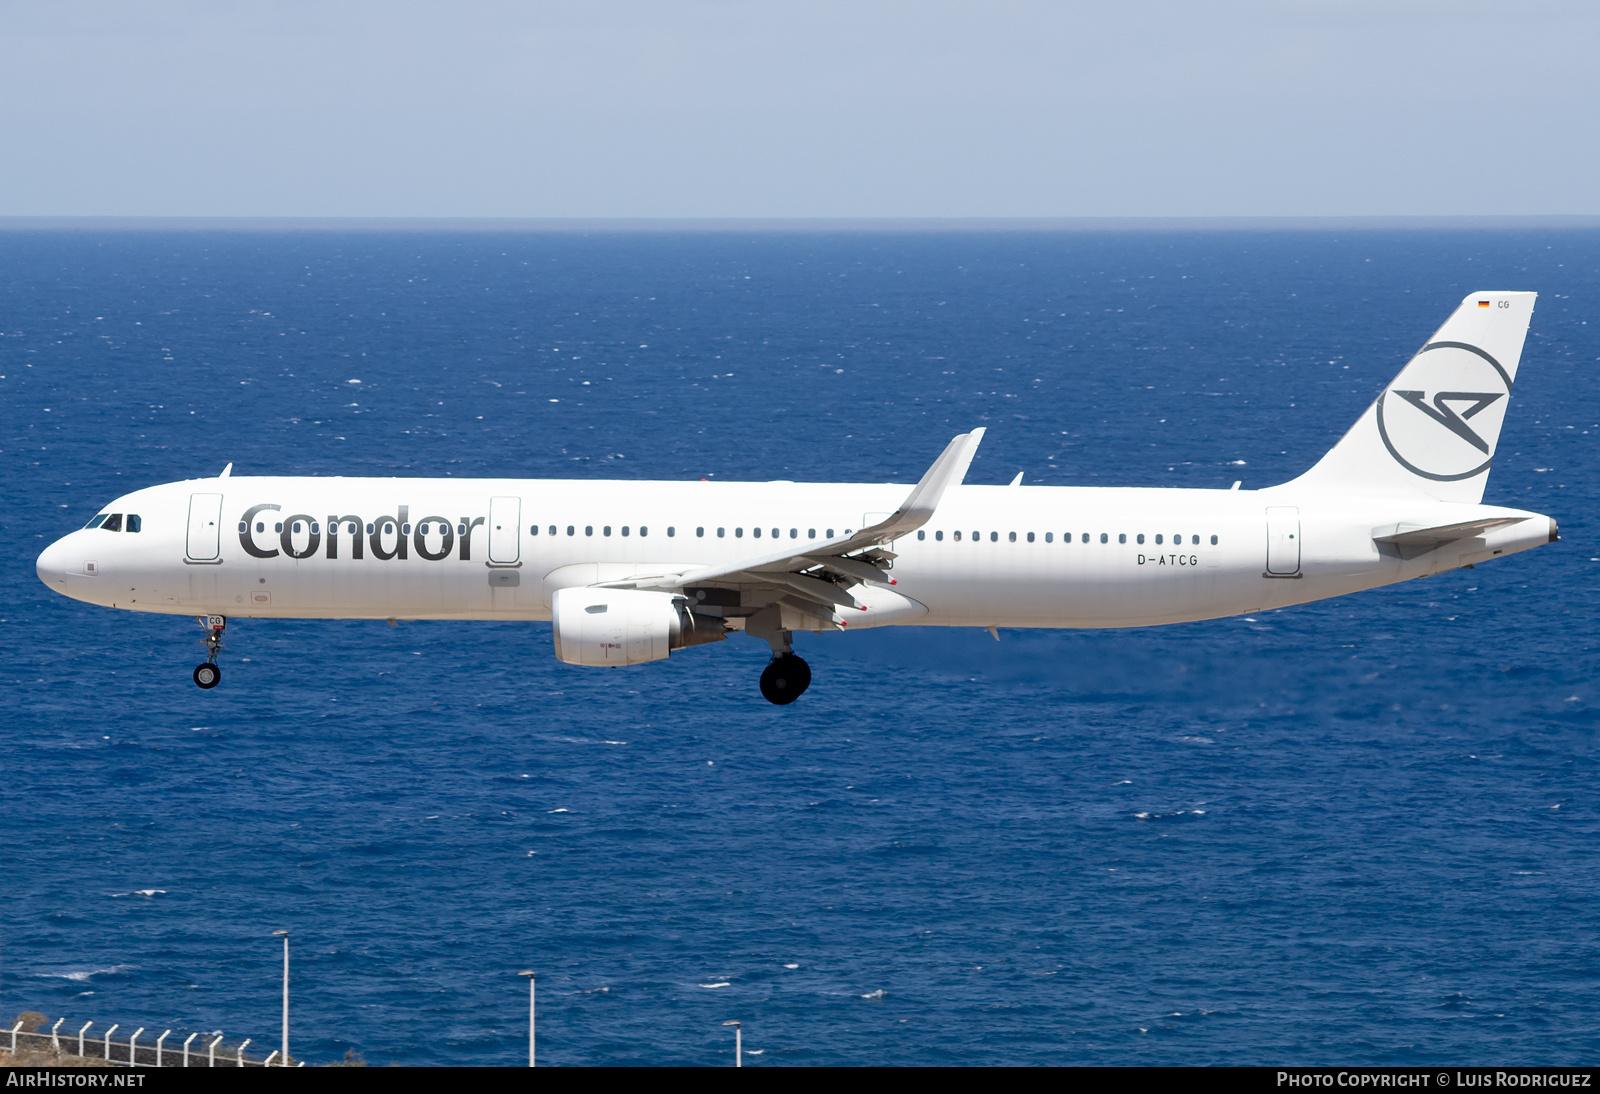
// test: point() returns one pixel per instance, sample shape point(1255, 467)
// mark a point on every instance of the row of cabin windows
point(116, 522)
point(738, 533)
point(1066, 537)
point(113, 522)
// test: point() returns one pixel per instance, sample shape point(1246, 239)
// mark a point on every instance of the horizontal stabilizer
point(1411, 540)
point(1412, 535)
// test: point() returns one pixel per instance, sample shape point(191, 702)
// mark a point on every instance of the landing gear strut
point(209, 675)
point(785, 678)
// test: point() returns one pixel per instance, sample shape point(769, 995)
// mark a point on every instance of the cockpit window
point(134, 524)
point(113, 523)
point(94, 522)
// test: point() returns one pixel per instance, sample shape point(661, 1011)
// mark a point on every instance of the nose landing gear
point(785, 678)
point(209, 675)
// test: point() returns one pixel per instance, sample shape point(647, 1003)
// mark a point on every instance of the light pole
point(738, 1042)
point(531, 978)
point(285, 1048)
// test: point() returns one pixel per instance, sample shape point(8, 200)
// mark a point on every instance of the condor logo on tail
point(1446, 415)
point(1449, 385)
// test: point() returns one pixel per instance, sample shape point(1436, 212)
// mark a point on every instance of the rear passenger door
point(505, 524)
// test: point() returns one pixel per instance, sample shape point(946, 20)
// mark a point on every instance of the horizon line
point(788, 224)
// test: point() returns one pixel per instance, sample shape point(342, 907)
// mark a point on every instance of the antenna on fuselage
point(226, 471)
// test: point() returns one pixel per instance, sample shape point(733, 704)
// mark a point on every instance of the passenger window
point(976, 536)
point(1158, 539)
point(532, 531)
point(461, 530)
point(756, 532)
point(1213, 541)
point(588, 529)
point(134, 524)
point(794, 533)
point(1050, 537)
point(624, 529)
point(938, 536)
point(1139, 538)
point(1103, 538)
point(1122, 537)
point(811, 533)
point(297, 528)
point(1195, 542)
point(1086, 538)
point(957, 536)
point(606, 531)
point(830, 533)
point(922, 535)
point(738, 533)
point(721, 532)
point(775, 533)
point(697, 531)
point(113, 523)
point(1011, 536)
point(571, 530)
point(1030, 537)
point(405, 529)
point(280, 528)
point(552, 529)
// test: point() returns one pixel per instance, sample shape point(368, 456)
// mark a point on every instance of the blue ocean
point(1359, 831)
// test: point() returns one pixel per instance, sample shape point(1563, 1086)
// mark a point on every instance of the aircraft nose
point(57, 563)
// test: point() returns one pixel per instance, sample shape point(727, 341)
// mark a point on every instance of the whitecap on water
point(718, 984)
point(879, 994)
point(80, 975)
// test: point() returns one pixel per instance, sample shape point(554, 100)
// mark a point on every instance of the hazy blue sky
point(706, 108)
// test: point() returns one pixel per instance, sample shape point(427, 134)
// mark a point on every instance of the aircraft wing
point(821, 572)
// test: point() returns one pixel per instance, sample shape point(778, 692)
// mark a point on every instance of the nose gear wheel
point(208, 675)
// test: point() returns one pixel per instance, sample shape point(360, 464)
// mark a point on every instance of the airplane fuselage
point(1020, 556)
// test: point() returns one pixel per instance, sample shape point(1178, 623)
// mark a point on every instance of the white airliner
point(628, 572)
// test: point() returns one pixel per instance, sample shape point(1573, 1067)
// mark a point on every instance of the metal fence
point(137, 1049)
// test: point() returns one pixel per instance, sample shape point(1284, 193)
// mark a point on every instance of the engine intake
point(606, 627)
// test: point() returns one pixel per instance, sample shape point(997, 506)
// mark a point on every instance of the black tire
point(785, 679)
point(207, 675)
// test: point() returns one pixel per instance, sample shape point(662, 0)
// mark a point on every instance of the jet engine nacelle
point(604, 627)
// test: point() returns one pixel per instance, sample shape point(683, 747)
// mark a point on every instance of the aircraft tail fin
point(1434, 429)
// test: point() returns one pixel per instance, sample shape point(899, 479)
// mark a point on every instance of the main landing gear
point(785, 678)
point(209, 675)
